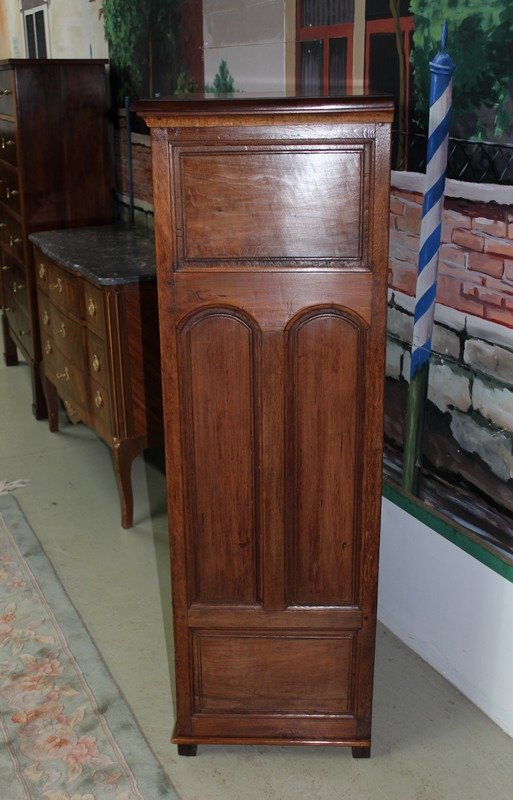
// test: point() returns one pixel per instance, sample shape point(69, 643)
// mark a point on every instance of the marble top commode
point(105, 254)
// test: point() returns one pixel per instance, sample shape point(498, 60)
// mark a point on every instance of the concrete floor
point(429, 742)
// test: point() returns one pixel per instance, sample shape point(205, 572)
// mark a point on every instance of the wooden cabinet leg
point(10, 351)
point(361, 752)
point(124, 451)
point(39, 408)
point(52, 404)
point(187, 749)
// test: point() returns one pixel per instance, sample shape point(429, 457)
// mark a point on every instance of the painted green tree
point(480, 44)
point(143, 45)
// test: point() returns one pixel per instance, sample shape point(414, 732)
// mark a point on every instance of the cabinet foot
point(10, 351)
point(52, 404)
point(124, 452)
point(39, 408)
point(187, 749)
point(361, 752)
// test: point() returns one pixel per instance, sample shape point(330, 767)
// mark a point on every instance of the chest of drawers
point(97, 305)
point(272, 223)
point(54, 172)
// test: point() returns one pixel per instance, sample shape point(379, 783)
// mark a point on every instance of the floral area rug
point(66, 732)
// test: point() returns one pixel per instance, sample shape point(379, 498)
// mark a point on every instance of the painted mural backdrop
point(481, 45)
point(157, 46)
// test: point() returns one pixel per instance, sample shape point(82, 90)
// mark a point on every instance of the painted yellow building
point(52, 28)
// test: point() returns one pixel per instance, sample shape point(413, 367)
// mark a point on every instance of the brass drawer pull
point(60, 331)
point(96, 363)
point(46, 317)
point(14, 240)
point(8, 308)
point(3, 224)
point(91, 307)
point(5, 91)
point(57, 285)
point(48, 347)
point(16, 287)
point(69, 408)
point(42, 271)
point(9, 193)
point(98, 399)
point(63, 375)
point(23, 333)
point(6, 143)
point(6, 267)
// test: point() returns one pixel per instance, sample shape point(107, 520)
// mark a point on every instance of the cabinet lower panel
point(268, 673)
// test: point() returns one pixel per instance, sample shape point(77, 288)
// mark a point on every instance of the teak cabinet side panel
point(272, 264)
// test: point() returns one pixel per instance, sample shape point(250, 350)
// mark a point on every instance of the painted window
point(35, 24)
point(324, 35)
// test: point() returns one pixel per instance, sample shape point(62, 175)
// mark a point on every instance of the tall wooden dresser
point(272, 227)
point(55, 171)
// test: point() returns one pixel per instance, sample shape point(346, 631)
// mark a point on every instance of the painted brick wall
point(475, 270)
point(469, 432)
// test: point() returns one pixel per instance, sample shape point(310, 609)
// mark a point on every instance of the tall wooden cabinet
point(272, 226)
point(55, 172)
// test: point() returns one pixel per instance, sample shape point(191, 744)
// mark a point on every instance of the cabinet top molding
point(156, 111)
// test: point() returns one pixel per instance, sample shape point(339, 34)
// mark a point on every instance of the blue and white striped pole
point(440, 97)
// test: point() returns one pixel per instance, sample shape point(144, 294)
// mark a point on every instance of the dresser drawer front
point(62, 288)
point(19, 322)
point(9, 187)
point(7, 97)
point(93, 308)
point(45, 310)
point(8, 151)
point(11, 235)
point(97, 359)
point(15, 283)
point(99, 407)
point(68, 336)
point(68, 379)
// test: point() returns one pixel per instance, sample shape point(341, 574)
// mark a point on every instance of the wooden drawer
point(9, 188)
point(67, 377)
point(97, 359)
point(67, 335)
point(19, 323)
point(93, 308)
point(45, 314)
point(15, 283)
point(101, 419)
point(61, 287)
point(11, 235)
point(8, 149)
point(7, 97)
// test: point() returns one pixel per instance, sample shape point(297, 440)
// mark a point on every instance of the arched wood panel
point(218, 353)
point(325, 403)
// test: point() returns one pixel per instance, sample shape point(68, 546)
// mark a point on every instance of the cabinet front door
point(272, 311)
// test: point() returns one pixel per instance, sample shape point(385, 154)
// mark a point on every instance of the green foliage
point(185, 85)
point(142, 44)
point(480, 44)
point(223, 81)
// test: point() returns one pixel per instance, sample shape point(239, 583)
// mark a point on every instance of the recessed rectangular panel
point(325, 403)
point(283, 205)
point(259, 674)
point(217, 362)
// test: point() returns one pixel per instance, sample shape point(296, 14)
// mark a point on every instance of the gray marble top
point(105, 254)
